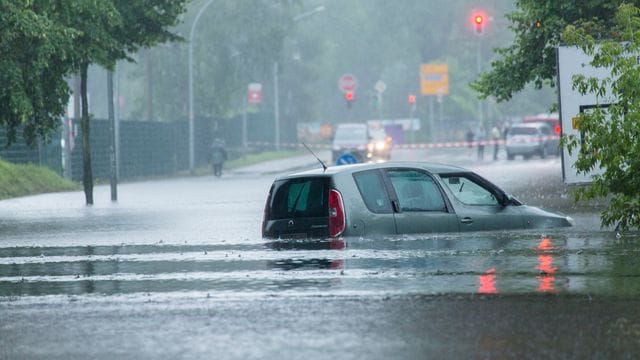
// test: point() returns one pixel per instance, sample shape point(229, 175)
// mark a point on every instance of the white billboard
point(573, 61)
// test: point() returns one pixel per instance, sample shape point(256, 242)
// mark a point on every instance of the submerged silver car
point(393, 198)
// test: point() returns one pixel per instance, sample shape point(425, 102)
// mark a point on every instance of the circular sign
point(346, 159)
point(380, 86)
point(347, 83)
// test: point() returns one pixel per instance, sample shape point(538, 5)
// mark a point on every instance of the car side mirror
point(504, 199)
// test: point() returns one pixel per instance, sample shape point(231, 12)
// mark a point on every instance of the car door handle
point(466, 220)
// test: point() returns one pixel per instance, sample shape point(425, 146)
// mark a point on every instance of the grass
point(21, 180)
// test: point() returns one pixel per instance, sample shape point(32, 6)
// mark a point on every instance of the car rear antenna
point(324, 167)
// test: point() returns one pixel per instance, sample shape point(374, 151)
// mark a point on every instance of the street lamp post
point(276, 85)
point(190, 64)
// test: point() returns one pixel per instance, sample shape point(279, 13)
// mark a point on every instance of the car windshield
point(523, 131)
point(351, 134)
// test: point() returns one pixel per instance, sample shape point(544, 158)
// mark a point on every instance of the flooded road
point(178, 268)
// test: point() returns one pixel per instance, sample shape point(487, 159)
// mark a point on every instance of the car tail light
point(336, 213)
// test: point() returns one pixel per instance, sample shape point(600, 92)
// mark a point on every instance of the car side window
point(416, 191)
point(468, 191)
point(371, 187)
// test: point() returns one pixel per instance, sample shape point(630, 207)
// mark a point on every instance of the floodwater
point(183, 251)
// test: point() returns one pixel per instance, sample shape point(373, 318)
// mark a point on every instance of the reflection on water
point(484, 263)
point(488, 282)
point(545, 265)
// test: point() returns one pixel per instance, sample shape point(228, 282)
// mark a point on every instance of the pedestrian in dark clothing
point(469, 137)
point(218, 157)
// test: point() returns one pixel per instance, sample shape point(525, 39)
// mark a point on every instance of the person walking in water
point(218, 156)
point(469, 137)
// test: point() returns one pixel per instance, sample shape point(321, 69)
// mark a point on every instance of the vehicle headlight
point(381, 145)
point(370, 147)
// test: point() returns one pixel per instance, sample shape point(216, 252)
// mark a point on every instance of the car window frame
point(449, 209)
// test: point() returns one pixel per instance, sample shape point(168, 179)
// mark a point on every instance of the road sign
point(347, 83)
point(254, 93)
point(434, 79)
point(573, 61)
point(380, 86)
point(346, 159)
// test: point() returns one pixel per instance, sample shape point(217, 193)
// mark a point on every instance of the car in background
point(379, 146)
point(552, 119)
point(393, 198)
point(363, 143)
point(528, 139)
point(351, 138)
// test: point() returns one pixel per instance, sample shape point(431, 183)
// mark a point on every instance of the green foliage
point(538, 25)
point(21, 180)
point(34, 57)
point(611, 136)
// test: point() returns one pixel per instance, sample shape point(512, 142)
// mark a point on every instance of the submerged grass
point(28, 179)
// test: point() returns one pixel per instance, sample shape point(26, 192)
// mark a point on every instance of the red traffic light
point(479, 19)
point(412, 99)
point(348, 96)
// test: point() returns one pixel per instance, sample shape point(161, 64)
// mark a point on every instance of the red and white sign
point(254, 93)
point(347, 83)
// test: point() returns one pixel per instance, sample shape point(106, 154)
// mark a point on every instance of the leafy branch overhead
point(537, 26)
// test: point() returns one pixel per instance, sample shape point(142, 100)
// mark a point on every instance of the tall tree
point(34, 59)
point(109, 30)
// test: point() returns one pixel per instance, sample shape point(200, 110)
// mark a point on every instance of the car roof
point(530, 125)
point(434, 168)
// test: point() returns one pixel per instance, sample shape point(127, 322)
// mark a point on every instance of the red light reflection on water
point(547, 278)
point(488, 282)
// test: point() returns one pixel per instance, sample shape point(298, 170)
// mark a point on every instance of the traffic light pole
point(478, 70)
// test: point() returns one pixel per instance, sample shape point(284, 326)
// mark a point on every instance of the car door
point(477, 204)
point(418, 203)
point(376, 214)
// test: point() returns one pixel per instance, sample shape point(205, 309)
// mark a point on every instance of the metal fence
point(146, 148)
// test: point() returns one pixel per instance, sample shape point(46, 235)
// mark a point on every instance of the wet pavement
point(178, 269)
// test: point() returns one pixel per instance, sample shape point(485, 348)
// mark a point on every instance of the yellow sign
point(575, 122)
point(434, 79)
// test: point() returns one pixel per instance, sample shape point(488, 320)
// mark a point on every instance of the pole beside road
point(191, 112)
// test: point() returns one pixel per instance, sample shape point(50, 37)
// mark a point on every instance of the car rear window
point(371, 188)
point(302, 197)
